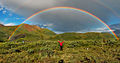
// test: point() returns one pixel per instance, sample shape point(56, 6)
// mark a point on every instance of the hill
point(33, 33)
point(82, 36)
point(26, 31)
point(1, 25)
point(40, 46)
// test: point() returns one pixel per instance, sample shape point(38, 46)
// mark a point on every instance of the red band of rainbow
point(77, 9)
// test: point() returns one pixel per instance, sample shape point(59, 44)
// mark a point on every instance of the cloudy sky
point(14, 12)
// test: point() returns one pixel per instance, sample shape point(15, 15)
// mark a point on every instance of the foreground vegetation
point(47, 51)
point(32, 44)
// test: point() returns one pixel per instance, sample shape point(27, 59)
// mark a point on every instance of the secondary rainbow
point(108, 7)
point(69, 8)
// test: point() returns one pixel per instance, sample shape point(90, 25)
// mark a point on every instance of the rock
point(17, 50)
point(61, 61)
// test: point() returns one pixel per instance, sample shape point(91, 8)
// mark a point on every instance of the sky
point(14, 12)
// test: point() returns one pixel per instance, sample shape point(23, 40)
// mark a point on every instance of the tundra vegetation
point(31, 44)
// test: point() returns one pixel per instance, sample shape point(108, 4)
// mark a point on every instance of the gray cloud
point(68, 21)
point(100, 8)
point(62, 20)
point(27, 7)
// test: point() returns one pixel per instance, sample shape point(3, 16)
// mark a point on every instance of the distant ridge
point(33, 33)
point(1, 25)
point(116, 28)
point(30, 27)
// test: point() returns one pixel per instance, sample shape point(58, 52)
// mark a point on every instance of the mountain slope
point(1, 25)
point(82, 36)
point(33, 33)
point(116, 28)
point(26, 31)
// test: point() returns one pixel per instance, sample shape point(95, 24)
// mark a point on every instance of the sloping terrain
point(32, 44)
point(83, 36)
point(1, 25)
point(28, 32)
point(33, 33)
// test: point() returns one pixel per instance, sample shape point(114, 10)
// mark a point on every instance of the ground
point(47, 51)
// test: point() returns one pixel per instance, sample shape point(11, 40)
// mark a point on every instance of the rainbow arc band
point(69, 8)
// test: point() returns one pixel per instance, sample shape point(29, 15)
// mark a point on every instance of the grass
point(37, 45)
point(47, 51)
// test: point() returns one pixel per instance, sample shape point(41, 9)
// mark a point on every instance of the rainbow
point(69, 8)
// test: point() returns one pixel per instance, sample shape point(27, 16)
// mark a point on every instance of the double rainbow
point(69, 8)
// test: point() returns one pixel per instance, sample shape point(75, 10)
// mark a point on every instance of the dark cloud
point(93, 6)
point(68, 21)
point(28, 7)
point(65, 21)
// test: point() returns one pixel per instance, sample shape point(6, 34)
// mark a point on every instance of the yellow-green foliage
point(82, 36)
point(31, 33)
point(34, 33)
point(47, 51)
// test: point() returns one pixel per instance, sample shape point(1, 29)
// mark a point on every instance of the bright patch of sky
point(113, 20)
point(8, 17)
